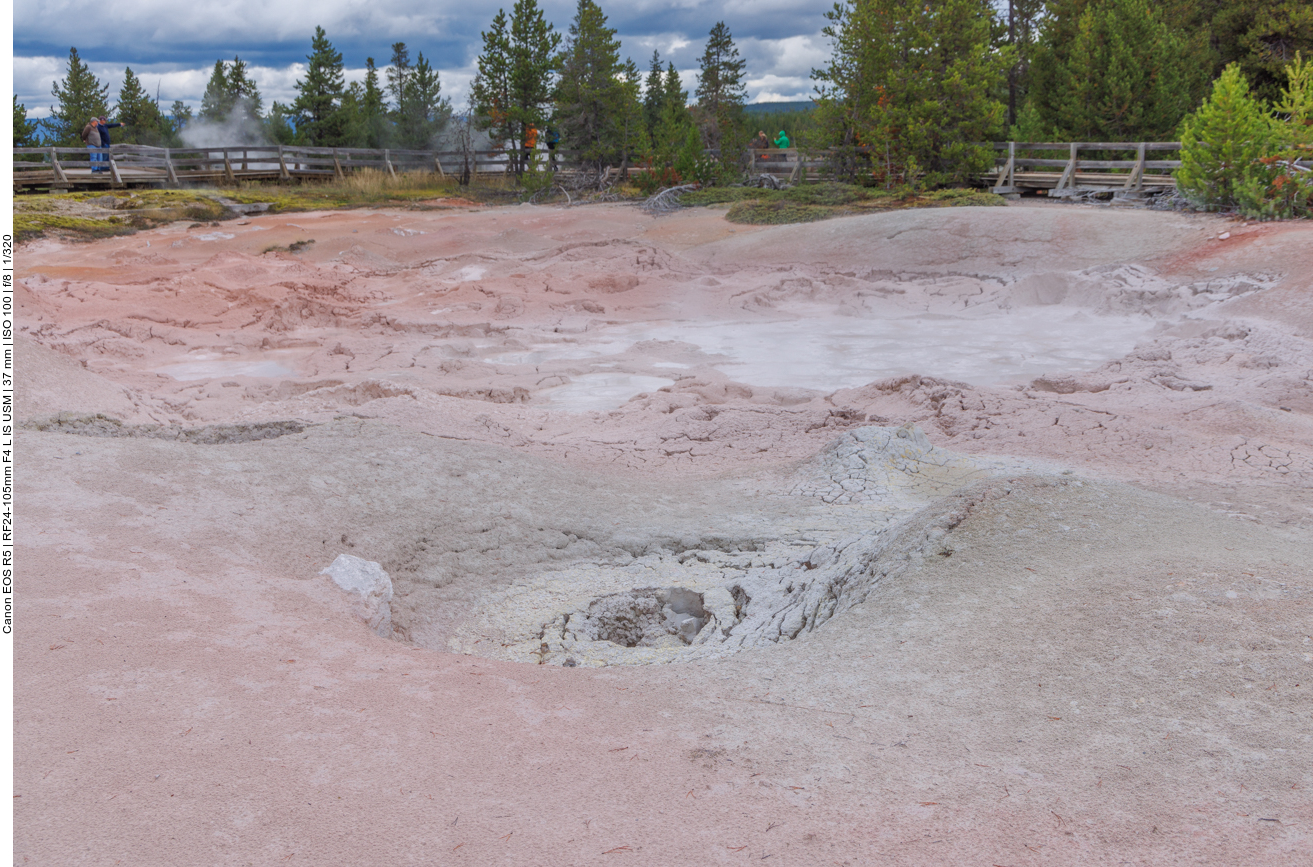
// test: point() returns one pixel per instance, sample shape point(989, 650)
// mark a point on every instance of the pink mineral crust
point(1107, 657)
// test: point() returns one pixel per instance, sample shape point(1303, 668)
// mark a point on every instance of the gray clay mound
point(890, 497)
point(213, 434)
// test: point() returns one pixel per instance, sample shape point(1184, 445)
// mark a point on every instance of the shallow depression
point(601, 391)
point(845, 352)
point(208, 367)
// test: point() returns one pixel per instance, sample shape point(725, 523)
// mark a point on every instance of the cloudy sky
point(173, 45)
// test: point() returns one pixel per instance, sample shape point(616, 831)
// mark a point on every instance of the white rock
point(368, 588)
point(1223, 236)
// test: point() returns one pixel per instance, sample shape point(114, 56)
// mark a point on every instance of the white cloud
point(228, 22)
point(174, 46)
point(796, 55)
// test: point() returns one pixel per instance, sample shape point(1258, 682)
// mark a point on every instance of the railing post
point(59, 170)
point(437, 165)
point(228, 168)
point(1068, 178)
point(114, 176)
point(168, 167)
point(282, 166)
point(1005, 177)
point(387, 162)
point(337, 166)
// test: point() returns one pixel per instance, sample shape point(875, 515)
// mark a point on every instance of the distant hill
point(773, 107)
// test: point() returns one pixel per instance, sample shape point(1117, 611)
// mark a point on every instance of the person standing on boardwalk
point(553, 139)
point(91, 138)
point(105, 127)
point(530, 143)
point(782, 141)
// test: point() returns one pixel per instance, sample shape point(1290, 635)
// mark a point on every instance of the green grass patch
point(962, 198)
point(91, 215)
point(775, 213)
point(34, 225)
point(102, 213)
point(724, 196)
point(369, 188)
point(807, 203)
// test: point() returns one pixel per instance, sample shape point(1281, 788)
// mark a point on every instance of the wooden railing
point(125, 164)
point(1015, 170)
point(1137, 175)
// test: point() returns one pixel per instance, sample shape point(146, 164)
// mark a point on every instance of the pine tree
point(78, 97)
point(1227, 136)
point(217, 101)
point(140, 116)
point(671, 134)
point(1141, 47)
point(589, 93)
point(674, 87)
point(424, 111)
point(1295, 107)
point(317, 109)
point(513, 88)
point(654, 93)
point(914, 84)
point(721, 92)
point(1021, 34)
point(355, 131)
point(242, 90)
point(1263, 36)
point(232, 100)
point(398, 77)
point(534, 44)
point(631, 118)
point(1124, 76)
point(491, 88)
point(278, 124)
point(180, 114)
point(25, 131)
point(373, 108)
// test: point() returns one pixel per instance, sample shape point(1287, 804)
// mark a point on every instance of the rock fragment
point(368, 589)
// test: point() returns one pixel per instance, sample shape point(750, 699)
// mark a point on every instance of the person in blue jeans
point(104, 127)
point(91, 138)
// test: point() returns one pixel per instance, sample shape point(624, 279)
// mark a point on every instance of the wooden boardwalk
point(1054, 167)
point(139, 165)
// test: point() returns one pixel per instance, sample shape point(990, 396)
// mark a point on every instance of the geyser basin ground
point(1050, 668)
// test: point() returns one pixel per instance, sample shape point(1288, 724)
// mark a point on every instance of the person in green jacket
point(782, 141)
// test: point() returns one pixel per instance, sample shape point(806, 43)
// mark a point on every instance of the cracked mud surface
point(1055, 615)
